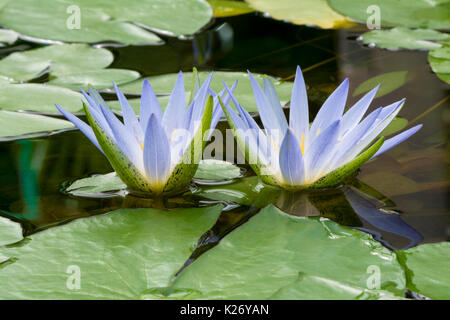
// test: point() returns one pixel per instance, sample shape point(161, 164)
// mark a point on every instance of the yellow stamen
point(142, 146)
point(302, 144)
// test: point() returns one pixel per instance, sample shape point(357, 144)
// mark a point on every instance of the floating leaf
point(408, 13)
point(39, 98)
point(119, 255)
point(101, 21)
point(427, 269)
point(15, 124)
point(315, 12)
point(8, 36)
point(405, 38)
point(389, 81)
point(246, 191)
point(439, 60)
point(273, 251)
point(211, 169)
point(228, 8)
point(10, 232)
point(97, 78)
point(106, 183)
point(59, 59)
point(163, 84)
point(71, 65)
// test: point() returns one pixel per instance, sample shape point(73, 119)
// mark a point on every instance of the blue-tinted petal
point(330, 111)
point(124, 139)
point(354, 115)
point(85, 128)
point(291, 160)
point(298, 112)
point(149, 104)
point(320, 151)
point(272, 96)
point(266, 110)
point(199, 103)
point(374, 131)
point(129, 117)
point(399, 138)
point(176, 107)
point(156, 154)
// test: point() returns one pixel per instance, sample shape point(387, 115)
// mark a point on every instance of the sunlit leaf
point(439, 60)
point(427, 269)
point(8, 36)
point(119, 255)
point(10, 231)
point(408, 13)
point(211, 169)
point(314, 12)
point(389, 82)
point(39, 98)
point(404, 38)
point(273, 251)
point(101, 21)
point(228, 8)
point(97, 78)
point(15, 124)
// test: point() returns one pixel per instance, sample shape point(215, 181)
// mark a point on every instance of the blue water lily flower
point(158, 152)
point(296, 155)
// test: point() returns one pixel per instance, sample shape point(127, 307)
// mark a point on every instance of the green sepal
point(125, 169)
point(337, 176)
point(256, 167)
point(185, 170)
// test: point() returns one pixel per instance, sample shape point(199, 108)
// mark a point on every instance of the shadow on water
point(409, 207)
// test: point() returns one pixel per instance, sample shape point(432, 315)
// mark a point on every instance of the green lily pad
point(10, 232)
point(246, 191)
point(163, 84)
point(439, 60)
point(59, 59)
point(70, 65)
point(408, 13)
point(211, 169)
point(97, 78)
point(8, 36)
point(318, 288)
point(228, 8)
point(427, 269)
point(110, 182)
point(273, 250)
point(39, 98)
point(15, 124)
point(101, 21)
point(404, 38)
point(117, 255)
point(389, 81)
point(315, 12)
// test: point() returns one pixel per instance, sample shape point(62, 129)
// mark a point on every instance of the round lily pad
point(408, 13)
point(439, 60)
point(97, 78)
point(96, 21)
point(309, 12)
point(39, 98)
point(389, 82)
point(15, 124)
point(401, 37)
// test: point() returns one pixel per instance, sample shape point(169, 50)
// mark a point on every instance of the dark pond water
point(401, 198)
